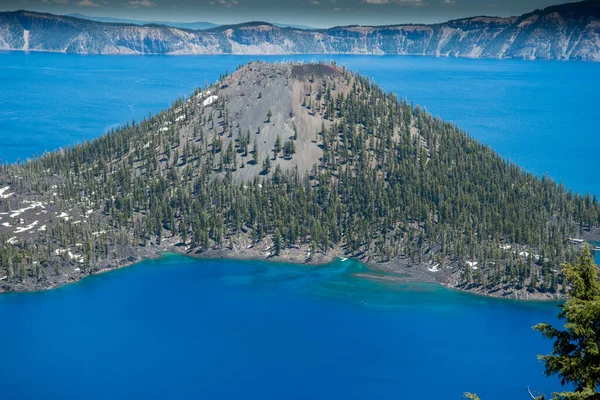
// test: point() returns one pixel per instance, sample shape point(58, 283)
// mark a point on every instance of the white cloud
point(141, 3)
point(449, 2)
point(226, 3)
point(410, 3)
point(87, 3)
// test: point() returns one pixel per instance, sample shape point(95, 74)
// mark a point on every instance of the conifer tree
point(576, 355)
point(255, 151)
point(266, 165)
point(277, 147)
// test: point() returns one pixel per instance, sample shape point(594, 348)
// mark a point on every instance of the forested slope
point(294, 162)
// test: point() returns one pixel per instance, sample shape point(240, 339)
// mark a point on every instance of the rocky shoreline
point(394, 271)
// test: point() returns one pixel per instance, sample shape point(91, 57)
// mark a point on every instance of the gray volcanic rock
point(564, 32)
point(227, 112)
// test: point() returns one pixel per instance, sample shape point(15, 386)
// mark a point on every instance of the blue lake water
point(541, 115)
point(182, 328)
point(197, 329)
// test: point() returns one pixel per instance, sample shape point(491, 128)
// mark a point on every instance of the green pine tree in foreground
point(576, 355)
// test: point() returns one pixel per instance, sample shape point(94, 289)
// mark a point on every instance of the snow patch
point(210, 100)
point(33, 205)
point(435, 268)
point(27, 228)
point(201, 95)
point(68, 252)
point(3, 194)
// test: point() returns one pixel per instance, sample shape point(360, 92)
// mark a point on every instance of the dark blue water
point(185, 329)
point(541, 115)
point(178, 328)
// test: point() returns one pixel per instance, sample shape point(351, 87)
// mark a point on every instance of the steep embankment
point(565, 32)
point(298, 162)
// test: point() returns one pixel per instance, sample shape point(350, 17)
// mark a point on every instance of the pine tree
point(289, 148)
point(255, 151)
point(266, 165)
point(277, 242)
point(576, 355)
point(277, 147)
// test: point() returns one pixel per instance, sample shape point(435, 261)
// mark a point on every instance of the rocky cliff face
point(565, 32)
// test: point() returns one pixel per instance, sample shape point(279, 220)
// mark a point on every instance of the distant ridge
point(564, 32)
point(199, 25)
point(182, 25)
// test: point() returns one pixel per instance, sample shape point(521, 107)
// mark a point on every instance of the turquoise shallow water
point(188, 329)
point(541, 115)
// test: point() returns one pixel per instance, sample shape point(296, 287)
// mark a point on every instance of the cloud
point(141, 3)
point(87, 3)
point(449, 2)
point(226, 3)
point(311, 2)
point(410, 3)
point(54, 2)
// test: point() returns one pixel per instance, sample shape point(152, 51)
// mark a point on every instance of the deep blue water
point(541, 115)
point(181, 328)
point(197, 329)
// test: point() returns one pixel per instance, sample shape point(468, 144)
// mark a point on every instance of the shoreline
point(373, 272)
point(441, 56)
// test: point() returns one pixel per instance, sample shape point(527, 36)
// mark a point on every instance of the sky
point(316, 13)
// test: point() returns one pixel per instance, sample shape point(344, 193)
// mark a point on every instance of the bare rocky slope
point(292, 162)
point(564, 32)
